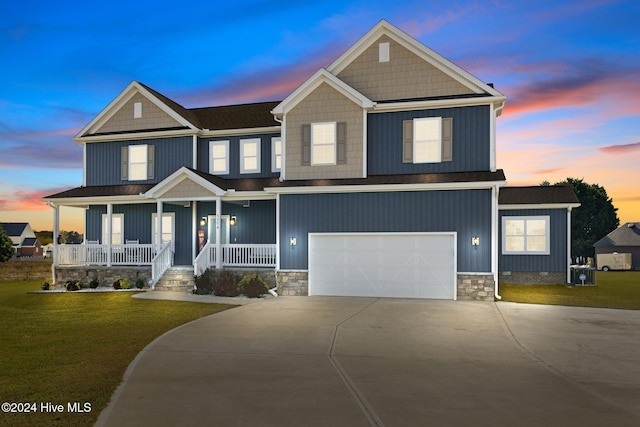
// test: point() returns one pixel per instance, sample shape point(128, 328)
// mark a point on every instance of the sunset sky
point(570, 71)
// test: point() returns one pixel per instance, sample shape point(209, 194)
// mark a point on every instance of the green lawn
point(75, 347)
point(614, 289)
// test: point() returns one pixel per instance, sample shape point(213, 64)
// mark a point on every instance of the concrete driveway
point(323, 361)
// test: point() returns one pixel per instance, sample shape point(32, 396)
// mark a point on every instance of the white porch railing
point(161, 262)
point(97, 254)
point(236, 255)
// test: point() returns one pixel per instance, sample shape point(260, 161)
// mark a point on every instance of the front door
point(224, 229)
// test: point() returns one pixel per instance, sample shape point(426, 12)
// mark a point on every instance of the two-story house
point(376, 177)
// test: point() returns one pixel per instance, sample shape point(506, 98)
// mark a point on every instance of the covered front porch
point(183, 221)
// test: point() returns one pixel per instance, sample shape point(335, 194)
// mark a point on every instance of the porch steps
point(178, 279)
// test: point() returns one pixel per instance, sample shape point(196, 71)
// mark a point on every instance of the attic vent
point(137, 110)
point(383, 52)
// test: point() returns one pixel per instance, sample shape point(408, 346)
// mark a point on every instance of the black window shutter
point(124, 163)
point(306, 145)
point(447, 139)
point(342, 142)
point(407, 141)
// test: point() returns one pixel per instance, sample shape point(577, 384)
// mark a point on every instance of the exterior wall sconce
point(233, 220)
point(475, 241)
point(203, 221)
point(292, 241)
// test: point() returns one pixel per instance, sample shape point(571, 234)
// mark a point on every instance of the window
point(168, 223)
point(219, 157)
point(525, 235)
point(117, 229)
point(250, 155)
point(137, 162)
point(323, 143)
point(137, 110)
point(427, 140)
point(276, 154)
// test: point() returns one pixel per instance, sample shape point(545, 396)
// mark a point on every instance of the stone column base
point(476, 287)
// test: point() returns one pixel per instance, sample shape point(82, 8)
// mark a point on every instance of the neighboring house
point(24, 239)
point(376, 177)
point(624, 239)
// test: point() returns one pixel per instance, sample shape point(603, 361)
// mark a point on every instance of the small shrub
point(125, 284)
point(116, 284)
point(73, 285)
point(253, 286)
point(139, 283)
point(94, 283)
point(45, 286)
point(225, 284)
point(204, 282)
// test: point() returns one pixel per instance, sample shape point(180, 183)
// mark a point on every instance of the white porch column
point(495, 229)
point(158, 225)
point(569, 244)
point(194, 230)
point(277, 231)
point(56, 231)
point(109, 236)
point(218, 234)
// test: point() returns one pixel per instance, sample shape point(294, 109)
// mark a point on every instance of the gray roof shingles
point(539, 194)
point(627, 234)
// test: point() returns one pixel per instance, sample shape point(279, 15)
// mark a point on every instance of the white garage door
point(401, 265)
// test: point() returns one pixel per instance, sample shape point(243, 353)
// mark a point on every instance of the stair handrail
point(203, 260)
point(161, 262)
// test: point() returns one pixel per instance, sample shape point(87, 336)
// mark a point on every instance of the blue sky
point(570, 71)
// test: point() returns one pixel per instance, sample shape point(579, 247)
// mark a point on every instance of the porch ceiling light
point(203, 221)
point(233, 220)
point(475, 241)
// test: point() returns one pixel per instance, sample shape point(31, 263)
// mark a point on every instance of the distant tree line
point(67, 237)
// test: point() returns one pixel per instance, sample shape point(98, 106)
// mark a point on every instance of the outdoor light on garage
point(475, 241)
point(292, 241)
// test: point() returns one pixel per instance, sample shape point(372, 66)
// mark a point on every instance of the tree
point(6, 246)
point(595, 218)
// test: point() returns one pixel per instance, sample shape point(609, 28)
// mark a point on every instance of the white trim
point(438, 141)
point(539, 206)
point(440, 103)
point(569, 245)
point(135, 136)
point(492, 138)
point(205, 133)
point(385, 28)
point(258, 143)
point(145, 162)
point(125, 96)
point(104, 233)
point(176, 178)
point(365, 146)
point(526, 218)
point(212, 144)
point(154, 233)
point(312, 83)
point(495, 226)
point(194, 152)
point(334, 144)
point(84, 166)
point(277, 232)
point(384, 187)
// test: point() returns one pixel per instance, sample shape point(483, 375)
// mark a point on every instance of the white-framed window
point(276, 154)
point(137, 110)
point(117, 229)
point(138, 161)
point(250, 155)
point(219, 157)
point(427, 140)
point(323, 143)
point(168, 227)
point(526, 235)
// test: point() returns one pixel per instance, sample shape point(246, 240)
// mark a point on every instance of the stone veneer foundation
point(533, 277)
point(471, 287)
point(105, 275)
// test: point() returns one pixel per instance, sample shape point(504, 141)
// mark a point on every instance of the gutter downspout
point(569, 244)
point(494, 241)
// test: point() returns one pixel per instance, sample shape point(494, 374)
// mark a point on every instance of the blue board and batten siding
point(104, 160)
point(467, 212)
point(255, 223)
point(470, 141)
point(234, 155)
point(556, 261)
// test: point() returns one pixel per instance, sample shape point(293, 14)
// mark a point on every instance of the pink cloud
point(24, 200)
point(620, 149)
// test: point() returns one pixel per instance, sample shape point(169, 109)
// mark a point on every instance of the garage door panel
point(386, 265)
